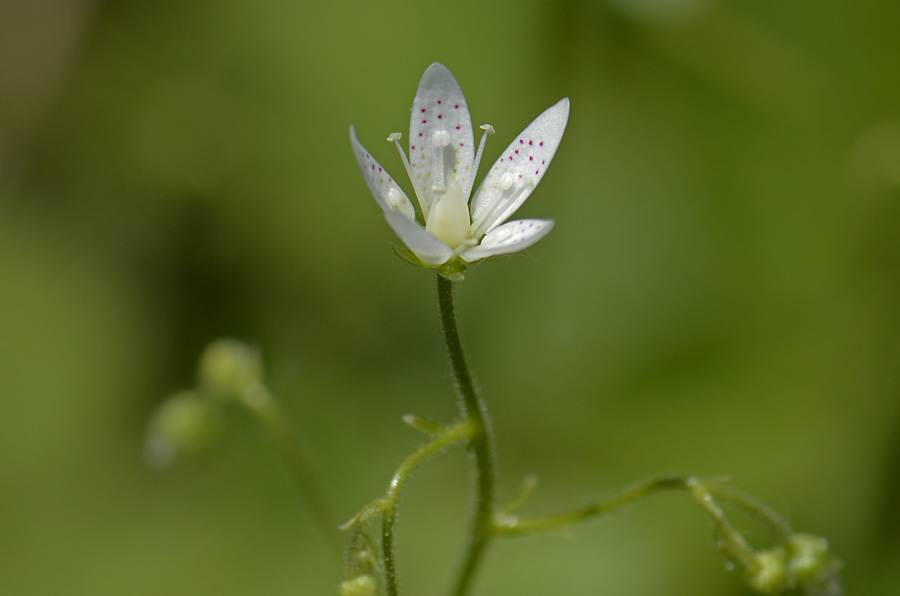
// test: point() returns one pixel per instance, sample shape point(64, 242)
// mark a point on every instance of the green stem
point(268, 411)
point(480, 443)
point(513, 524)
point(708, 494)
point(388, 504)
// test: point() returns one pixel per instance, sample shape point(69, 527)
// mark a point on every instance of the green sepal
point(453, 270)
point(409, 256)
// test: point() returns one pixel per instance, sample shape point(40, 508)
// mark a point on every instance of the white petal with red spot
point(384, 189)
point(508, 238)
point(519, 169)
point(441, 145)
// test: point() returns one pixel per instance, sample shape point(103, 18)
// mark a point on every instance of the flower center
point(449, 217)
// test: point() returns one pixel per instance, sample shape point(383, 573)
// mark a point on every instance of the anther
point(394, 197)
point(441, 138)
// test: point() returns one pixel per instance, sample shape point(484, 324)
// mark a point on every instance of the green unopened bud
point(363, 585)
point(811, 563)
point(229, 369)
point(767, 571)
point(183, 427)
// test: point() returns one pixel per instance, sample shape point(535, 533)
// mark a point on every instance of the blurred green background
point(721, 294)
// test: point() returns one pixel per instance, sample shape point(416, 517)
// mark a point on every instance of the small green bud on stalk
point(228, 369)
point(183, 427)
point(363, 585)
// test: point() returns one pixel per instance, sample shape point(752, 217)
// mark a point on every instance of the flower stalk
point(481, 443)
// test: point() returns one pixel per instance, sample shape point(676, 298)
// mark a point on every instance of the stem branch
point(512, 524)
point(388, 504)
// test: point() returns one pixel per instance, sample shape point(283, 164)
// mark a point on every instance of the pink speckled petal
point(511, 237)
point(386, 192)
point(441, 144)
point(428, 248)
point(519, 169)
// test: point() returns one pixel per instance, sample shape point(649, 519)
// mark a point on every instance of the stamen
point(488, 130)
point(394, 138)
point(441, 139)
point(479, 228)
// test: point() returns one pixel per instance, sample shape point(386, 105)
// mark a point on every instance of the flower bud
point(228, 369)
point(183, 427)
point(810, 562)
point(766, 571)
point(363, 585)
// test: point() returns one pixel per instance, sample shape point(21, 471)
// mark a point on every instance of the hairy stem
point(480, 443)
point(513, 524)
point(388, 504)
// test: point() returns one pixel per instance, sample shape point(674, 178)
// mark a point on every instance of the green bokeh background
point(721, 294)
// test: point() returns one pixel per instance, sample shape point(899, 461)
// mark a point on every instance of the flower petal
point(519, 169)
point(386, 192)
point(441, 144)
point(508, 238)
point(428, 248)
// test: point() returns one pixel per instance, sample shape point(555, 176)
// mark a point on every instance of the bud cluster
point(797, 563)
point(187, 423)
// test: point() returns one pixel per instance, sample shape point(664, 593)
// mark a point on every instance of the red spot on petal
point(440, 116)
point(529, 157)
point(423, 110)
point(536, 171)
point(457, 128)
point(531, 142)
point(521, 142)
point(440, 102)
point(456, 106)
point(517, 151)
point(542, 143)
point(412, 147)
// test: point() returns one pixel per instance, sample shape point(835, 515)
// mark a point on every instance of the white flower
point(442, 165)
